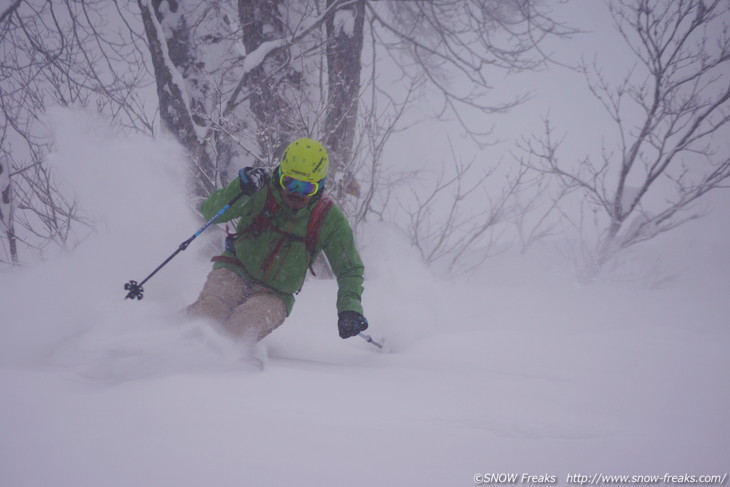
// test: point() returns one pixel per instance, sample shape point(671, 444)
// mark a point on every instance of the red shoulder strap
point(315, 223)
point(263, 220)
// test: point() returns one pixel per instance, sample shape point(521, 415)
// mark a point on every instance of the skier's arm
point(249, 181)
point(339, 247)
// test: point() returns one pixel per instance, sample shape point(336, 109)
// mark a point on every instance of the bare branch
point(681, 87)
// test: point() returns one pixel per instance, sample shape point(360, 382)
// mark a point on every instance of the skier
point(285, 222)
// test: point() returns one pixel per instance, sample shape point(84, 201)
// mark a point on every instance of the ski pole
point(136, 291)
point(369, 339)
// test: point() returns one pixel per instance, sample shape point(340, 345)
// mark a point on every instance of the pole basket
point(135, 290)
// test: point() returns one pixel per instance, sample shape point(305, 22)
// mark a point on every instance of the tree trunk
point(344, 48)
point(270, 81)
point(170, 52)
point(6, 210)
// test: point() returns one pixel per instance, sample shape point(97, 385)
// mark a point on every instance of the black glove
point(351, 323)
point(252, 179)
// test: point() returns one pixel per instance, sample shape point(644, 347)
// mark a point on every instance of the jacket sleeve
point(220, 198)
point(339, 247)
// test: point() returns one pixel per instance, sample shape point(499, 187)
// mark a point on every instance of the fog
point(515, 368)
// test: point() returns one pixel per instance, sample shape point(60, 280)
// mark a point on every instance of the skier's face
point(295, 201)
point(297, 193)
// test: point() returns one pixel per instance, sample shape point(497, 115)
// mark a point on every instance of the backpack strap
point(321, 208)
point(262, 222)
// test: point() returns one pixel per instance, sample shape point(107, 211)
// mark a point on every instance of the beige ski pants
point(244, 309)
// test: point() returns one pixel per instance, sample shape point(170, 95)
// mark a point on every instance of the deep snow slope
point(484, 378)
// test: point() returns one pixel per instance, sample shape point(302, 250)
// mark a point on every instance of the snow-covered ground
point(515, 370)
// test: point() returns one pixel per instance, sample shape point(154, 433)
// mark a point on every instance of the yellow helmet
point(305, 159)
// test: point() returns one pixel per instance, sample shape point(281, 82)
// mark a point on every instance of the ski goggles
point(304, 188)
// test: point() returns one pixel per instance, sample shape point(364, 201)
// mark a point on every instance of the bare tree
point(254, 93)
point(675, 152)
point(232, 78)
point(74, 53)
point(345, 34)
point(468, 229)
point(275, 84)
point(459, 45)
point(538, 214)
point(380, 120)
point(300, 72)
point(237, 80)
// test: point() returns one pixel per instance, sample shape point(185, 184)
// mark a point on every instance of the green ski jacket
point(276, 256)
